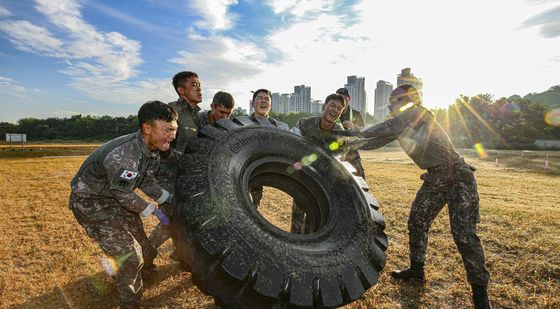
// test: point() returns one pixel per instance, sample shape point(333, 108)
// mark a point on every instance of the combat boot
point(480, 297)
point(416, 271)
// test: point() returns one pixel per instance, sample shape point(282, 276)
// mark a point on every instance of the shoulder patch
point(129, 175)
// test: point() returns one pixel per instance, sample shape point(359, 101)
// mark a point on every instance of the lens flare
point(290, 170)
point(480, 150)
point(298, 166)
point(334, 146)
point(552, 117)
point(110, 266)
point(308, 160)
point(407, 106)
point(509, 107)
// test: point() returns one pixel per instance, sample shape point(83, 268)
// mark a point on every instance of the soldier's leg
point(161, 233)
point(426, 206)
point(464, 215)
point(134, 225)
point(298, 219)
point(118, 243)
point(357, 164)
point(256, 195)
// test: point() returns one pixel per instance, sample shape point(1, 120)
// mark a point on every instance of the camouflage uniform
point(104, 202)
point(310, 129)
point(353, 156)
point(449, 180)
point(203, 118)
point(188, 124)
point(257, 192)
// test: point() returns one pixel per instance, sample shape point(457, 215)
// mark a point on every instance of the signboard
point(16, 137)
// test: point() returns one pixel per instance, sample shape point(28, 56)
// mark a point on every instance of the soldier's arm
point(122, 174)
point(381, 134)
point(149, 184)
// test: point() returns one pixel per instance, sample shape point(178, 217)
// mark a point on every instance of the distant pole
point(546, 162)
point(497, 159)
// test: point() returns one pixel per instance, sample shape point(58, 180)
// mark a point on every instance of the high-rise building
point(382, 94)
point(303, 98)
point(316, 106)
point(285, 102)
point(407, 78)
point(276, 103)
point(357, 89)
point(294, 98)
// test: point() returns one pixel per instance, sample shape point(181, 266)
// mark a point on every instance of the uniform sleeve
point(121, 174)
point(297, 128)
point(149, 185)
point(381, 134)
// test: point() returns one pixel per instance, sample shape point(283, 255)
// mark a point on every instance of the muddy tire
point(244, 261)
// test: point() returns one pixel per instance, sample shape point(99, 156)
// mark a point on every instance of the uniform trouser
point(356, 162)
point(300, 222)
point(123, 239)
point(459, 191)
point(256, 195)
point(165, 178)
point(162, 233)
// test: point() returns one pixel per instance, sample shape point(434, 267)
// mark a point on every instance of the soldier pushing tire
point(243, 260)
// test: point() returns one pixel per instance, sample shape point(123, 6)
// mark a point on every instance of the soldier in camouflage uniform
point(449, 180)
point(352, 119)
point(104, 202)
point(187, 86)
point(220, 108)
point(321, 131)
point(262, 103)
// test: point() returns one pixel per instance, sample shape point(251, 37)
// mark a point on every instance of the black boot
point(480, 297)
point(416, 271)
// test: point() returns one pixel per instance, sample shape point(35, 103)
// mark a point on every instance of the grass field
point(47, 261)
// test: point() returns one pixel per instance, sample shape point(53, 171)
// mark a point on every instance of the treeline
point(506, 123)
point(78, 127)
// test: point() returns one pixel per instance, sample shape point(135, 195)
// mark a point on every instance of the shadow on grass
point(411, 293)
point(98, 291)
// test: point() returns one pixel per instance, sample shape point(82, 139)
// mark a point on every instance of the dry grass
point(47, 261)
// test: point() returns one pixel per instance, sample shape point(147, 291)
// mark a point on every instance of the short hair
point(336, 97)
point(409, 91)
point(156, 110)
point(343, 91)
point(223, 98)
point(261, 90)
point(181, 77)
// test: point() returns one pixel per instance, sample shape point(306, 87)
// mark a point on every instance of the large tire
point(241, 259)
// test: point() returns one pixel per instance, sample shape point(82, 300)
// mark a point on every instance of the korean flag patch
point(129, 175)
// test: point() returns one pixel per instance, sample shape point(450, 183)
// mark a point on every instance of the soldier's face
point(191, 90)
point(219, 112)
point(159, 134)
point(262, 104)
point(333, 109)
point(397, 102)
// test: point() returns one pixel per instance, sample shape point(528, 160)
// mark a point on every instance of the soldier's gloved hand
point(162, 217)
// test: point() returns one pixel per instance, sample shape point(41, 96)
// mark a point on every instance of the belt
point(445, 167)
point(440, 168)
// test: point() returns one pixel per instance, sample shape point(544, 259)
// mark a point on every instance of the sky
point(100, 57)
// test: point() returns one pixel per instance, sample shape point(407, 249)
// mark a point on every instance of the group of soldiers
point(105, 202)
